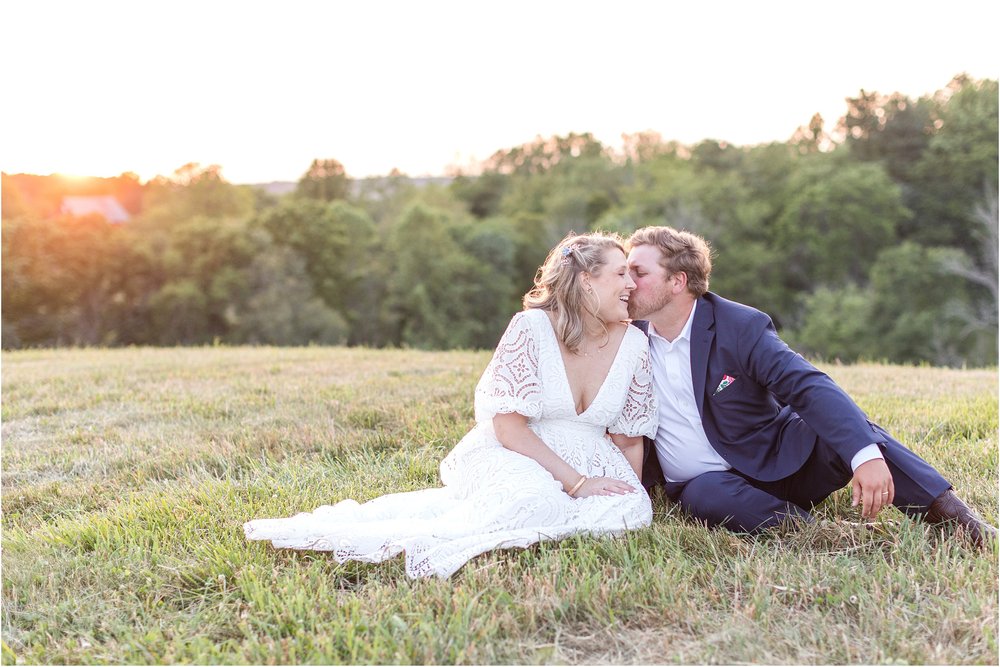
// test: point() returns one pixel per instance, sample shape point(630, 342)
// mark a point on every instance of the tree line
point(876, 239)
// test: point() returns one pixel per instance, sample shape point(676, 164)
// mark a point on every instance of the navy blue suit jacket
point(767, 421)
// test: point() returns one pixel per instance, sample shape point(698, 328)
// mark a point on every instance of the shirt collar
point(685, 332)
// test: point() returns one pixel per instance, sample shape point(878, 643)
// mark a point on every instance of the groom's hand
point(872, 487)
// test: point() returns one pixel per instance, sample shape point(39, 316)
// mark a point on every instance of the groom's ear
point(681, 282)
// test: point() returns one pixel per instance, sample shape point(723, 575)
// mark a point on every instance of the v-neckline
point(562, 364)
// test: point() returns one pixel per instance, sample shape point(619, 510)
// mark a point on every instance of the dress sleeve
point(510, 383)
point(638, 415)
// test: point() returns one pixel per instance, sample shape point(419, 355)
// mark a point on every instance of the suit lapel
point(702, 334)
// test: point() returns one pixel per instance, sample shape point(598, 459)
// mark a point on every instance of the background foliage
point(875, 240)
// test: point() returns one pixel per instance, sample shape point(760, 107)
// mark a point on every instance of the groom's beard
point(642, 304)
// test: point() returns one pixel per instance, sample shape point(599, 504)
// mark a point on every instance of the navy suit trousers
point(742, 504)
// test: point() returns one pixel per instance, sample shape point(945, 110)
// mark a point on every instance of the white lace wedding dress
point(494, 498)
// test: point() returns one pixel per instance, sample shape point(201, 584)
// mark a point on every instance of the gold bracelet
point(576, 487)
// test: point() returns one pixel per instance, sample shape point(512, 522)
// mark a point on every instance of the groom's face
point(652, 290)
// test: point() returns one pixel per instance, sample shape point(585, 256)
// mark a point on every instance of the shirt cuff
point(870, 452)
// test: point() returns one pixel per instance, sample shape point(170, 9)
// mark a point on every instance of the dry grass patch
point(128, 473)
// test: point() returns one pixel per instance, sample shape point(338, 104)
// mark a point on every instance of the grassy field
point(127, 475)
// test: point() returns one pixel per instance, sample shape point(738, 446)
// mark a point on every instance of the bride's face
point(613, 286)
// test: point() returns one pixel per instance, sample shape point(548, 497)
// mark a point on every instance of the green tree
point(195, 191)
point(569, 182)
point(960, 161)
point(427, 290)
point(836, 324)
point(905, 314)
point(541, 155)
point(385, 198)
point(913, 298)
point(325, 181)
point(280, 307)
point(199, 276)
point(837, 218)
point(660, 191)
point(531, 246)
point(334, 240)
point(717, 156)
point(893, 130)
point(65, 281)
point(979, 274)
point(481, 194)
point(489, 281)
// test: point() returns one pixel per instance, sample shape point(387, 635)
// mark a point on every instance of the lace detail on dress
point(510, 383)
point(492, 497)
point(638, 415)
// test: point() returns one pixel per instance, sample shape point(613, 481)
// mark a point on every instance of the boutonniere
point(726, 381)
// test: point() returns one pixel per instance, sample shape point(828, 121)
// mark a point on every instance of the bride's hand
point(603, 486)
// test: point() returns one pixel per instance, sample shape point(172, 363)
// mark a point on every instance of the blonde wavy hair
point(559, 288)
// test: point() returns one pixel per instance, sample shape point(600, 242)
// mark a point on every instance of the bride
point(557, 448)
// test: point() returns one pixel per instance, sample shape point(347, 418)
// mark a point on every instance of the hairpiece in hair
point(566, 251)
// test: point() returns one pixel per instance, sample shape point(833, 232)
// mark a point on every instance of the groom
point(750, 432)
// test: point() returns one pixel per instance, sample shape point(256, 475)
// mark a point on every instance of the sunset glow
point(263, 88)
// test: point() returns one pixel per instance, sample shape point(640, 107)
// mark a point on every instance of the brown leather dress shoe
point(949, 507)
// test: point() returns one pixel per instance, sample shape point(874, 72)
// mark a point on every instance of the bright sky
point(98, 88)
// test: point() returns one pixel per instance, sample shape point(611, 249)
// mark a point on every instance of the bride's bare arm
point(632, 449)
point(513, 433)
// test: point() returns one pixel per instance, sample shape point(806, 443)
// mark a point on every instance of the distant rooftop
point(103, 205)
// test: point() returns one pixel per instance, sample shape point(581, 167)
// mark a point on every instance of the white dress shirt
point(682, 447)
point(681, 444)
